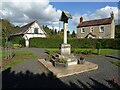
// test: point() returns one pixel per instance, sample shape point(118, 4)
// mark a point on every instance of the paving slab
point(70, 70)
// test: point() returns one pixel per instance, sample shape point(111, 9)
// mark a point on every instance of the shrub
point(17, 45)
point(98, 46)
point(81, 58)
point(87, 52)
point(75, 43)
point(18, 40)
point(45, 42)
point(62, 60)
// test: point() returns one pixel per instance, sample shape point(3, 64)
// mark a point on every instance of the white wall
point(30, 33)
point(28, 36)
point(31, 29)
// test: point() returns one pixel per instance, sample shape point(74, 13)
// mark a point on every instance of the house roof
point(95, 22)
point(91, 35)
point(24, 28)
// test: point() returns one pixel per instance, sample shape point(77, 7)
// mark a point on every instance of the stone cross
point(65, 32)
point(64, 17)
point(65, 48)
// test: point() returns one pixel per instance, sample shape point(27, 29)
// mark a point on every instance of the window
point(36, 30)
point(91, 29)
point(101, 28)
point(82, 30)
point(100, 37)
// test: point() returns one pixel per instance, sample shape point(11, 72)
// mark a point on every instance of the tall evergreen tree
point(56, 31)
point(73, 34)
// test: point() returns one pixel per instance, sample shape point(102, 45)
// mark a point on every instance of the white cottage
point(31, 30)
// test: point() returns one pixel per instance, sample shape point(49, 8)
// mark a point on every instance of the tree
point(98, 46)
point(68, 34)
point(62, 30)
point(52, 32)
point(47, 30)
point(55, 31)
point(7, 28)
point(73, 34)
point(117, 31)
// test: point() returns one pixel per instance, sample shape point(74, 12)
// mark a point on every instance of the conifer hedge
point(75, 43)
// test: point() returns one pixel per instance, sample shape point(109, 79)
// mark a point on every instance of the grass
point(52, 49)
point(19, 57)
point(108, 51)
point(102, 51)
point(80, 50)
point(116, 63)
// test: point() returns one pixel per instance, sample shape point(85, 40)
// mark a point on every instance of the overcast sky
point(48, 13)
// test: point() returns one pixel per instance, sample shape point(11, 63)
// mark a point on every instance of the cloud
point(23, 12)
point(100, 13)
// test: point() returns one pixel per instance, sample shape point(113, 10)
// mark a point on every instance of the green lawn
point(19, 57)
point(116, 63)
point(102, 51)
point(79, 50)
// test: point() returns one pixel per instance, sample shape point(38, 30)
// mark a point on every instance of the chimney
point(81, 19)
point(112, 15)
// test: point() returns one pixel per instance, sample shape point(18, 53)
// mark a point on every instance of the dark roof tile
point(95, 22)
point(23, 29)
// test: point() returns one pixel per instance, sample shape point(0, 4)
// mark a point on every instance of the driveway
point(31, 65)
point(98, 78)
point(33, 74)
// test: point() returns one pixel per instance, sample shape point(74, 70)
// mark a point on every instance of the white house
point(30, 30)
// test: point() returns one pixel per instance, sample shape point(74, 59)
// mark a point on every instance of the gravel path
point(92, 80)
point(106, 70)
point(31, 65)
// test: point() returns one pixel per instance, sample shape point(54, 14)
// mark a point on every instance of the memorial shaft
point(65, 32)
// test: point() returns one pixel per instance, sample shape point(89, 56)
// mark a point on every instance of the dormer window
point(82, 30)
point(36, 30)
point(91, 29)
point(102, 28)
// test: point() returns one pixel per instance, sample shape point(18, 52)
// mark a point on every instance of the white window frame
point(91, 29)
point(82, 30)
point(101, 31)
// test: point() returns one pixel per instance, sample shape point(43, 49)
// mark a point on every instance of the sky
point(48, 13)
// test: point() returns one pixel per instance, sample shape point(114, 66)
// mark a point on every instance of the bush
point(17, 46)
point(87, 52)
point(18, 40)
point(45, 42)
point(75, 43)
point(98, 46)
point(81, 58)
point(62, 61)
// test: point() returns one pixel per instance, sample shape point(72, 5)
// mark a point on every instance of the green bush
point(18, 40)
point(87, 52)
point(75, 43)
point(17, 45)
point(45, 42)
point(62, 61)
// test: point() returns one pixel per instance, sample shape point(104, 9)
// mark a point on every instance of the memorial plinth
point(65, 49)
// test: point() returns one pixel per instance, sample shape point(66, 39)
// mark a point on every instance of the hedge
point(45, 42)
point(75, 43)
